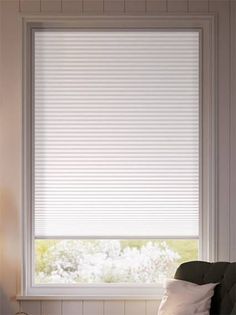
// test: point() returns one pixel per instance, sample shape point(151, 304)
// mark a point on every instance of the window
point(116, 143)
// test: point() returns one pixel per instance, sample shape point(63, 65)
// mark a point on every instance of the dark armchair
point(200, 272)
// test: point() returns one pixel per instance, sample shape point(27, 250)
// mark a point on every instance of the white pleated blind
point(116, 133)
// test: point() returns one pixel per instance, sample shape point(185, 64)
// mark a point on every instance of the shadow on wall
point(10, 253)
point(6, 306)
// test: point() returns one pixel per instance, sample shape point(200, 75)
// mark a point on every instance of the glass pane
point(110, 261)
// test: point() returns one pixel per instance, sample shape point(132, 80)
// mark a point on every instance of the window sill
point(86, 297)
point(93, 292)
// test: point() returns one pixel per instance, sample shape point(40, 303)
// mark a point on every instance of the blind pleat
point(116, 134)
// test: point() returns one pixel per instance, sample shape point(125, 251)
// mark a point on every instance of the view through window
point(110, 261)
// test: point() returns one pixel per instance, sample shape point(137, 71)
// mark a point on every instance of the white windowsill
point(86, 297)
point(93, 292)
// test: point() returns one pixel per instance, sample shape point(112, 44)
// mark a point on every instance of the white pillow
point(186, 298)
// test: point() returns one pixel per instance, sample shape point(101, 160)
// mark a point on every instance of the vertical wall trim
point(221, 7)
point(82, 7)
point(83, 307)
point(232, 131)
point(230, 103)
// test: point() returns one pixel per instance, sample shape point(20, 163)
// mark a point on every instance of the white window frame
point(205, 24)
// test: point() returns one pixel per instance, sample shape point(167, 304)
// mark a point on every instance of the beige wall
point(11, 124)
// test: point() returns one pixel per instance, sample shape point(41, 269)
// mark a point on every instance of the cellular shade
point(116, 133)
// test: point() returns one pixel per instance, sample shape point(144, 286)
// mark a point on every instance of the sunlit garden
point(110, 261)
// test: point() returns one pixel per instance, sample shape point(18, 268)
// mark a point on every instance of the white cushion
point(186, 298)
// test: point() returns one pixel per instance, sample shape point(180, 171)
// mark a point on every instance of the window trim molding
point(206, 24)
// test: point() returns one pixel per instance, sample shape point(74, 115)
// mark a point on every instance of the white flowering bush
point(104, 261)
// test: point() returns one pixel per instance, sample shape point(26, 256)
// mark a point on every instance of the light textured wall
point(11, 124)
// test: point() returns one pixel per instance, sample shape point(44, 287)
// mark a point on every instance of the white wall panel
point(29, 5)
point(92, 308)
point(72, 6)
point(134, 7)
point(114, 7)
point(72, 307)
point(152, 307)
point(156, 6)
point(198, 5)
point(114, 308)
point(51, 5)
point(93, 7)
point(135, 307)
point(31, 307)
point(177, 6)
point(51, 308)
point(109, 307)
